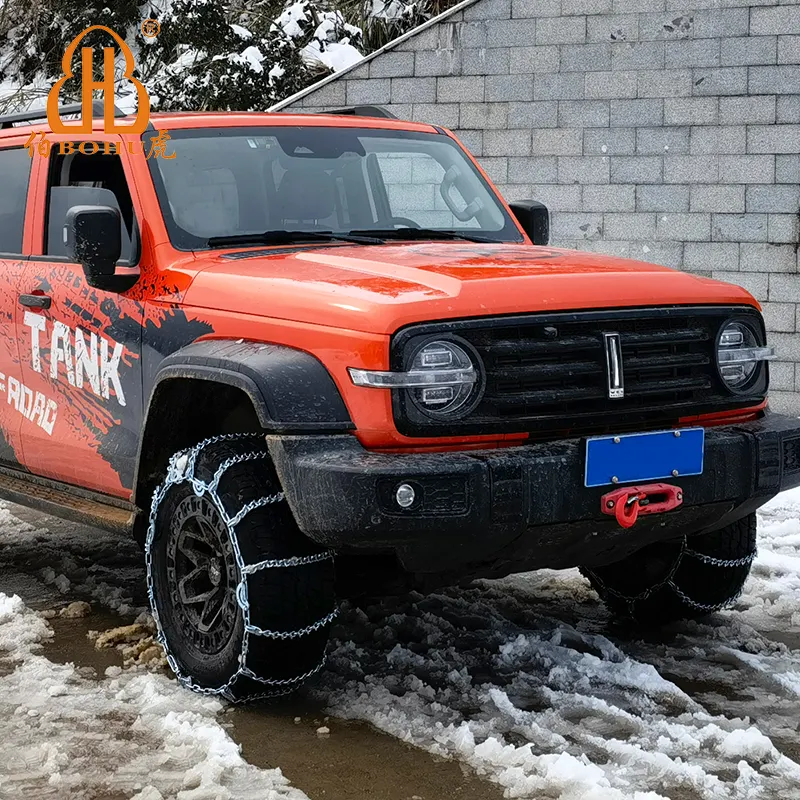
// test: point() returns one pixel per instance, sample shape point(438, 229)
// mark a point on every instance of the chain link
point(669, 581)
point(181, 469)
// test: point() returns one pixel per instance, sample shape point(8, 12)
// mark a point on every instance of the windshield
point(250, 185)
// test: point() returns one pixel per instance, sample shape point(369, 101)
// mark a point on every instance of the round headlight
point(446, 399)
point(736, 336)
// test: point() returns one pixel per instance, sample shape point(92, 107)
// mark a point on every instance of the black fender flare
point(291, 390)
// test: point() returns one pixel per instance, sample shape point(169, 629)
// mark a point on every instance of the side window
point(76, 179)
point(15, 168)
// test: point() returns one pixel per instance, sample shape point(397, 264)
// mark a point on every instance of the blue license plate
point(644, 456)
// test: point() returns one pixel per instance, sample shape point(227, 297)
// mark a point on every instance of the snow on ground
point(526, 680)
point(68, 736)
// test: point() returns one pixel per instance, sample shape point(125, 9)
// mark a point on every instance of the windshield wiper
point(423, 233)
point(290, 237)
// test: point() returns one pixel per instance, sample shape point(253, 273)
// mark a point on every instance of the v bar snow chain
point(181, 470)
point(669, 581)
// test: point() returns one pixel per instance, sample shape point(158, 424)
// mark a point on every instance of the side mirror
point(94, 239)
point(534, 219)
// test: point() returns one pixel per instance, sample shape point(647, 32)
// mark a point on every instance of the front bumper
point(493, 512)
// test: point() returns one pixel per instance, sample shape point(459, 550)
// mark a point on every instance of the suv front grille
point(547, 374)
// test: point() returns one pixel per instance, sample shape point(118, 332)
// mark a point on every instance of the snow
point(334, 55)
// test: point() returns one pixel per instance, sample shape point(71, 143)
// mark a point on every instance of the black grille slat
point(546, 374)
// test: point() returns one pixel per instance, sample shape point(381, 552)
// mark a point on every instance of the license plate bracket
point(636, 457)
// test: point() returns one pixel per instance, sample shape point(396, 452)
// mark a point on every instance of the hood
point(378, 289)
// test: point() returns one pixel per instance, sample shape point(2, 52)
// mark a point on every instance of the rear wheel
point(242, 600)
point(681, 579)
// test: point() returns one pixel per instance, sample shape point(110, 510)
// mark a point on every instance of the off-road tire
point(681, 579)
point(230, 659)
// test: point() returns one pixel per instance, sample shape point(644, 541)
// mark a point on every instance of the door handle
point(35, 300)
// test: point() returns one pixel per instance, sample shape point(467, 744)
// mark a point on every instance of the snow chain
point(181, 470)
point(685, 552)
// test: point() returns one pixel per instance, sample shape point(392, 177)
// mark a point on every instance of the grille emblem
point(616, 385)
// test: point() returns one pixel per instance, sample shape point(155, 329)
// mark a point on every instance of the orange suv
point(300, 339)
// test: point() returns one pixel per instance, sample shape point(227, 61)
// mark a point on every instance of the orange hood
point(378, 289)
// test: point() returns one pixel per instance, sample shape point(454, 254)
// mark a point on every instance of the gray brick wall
point(652, 129)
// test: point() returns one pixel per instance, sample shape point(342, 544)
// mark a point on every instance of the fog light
point(405, 495)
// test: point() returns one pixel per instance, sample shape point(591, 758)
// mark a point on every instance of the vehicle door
point(16, 195)
point(81, 346)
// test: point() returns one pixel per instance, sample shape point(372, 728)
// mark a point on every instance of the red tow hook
point(628, 503)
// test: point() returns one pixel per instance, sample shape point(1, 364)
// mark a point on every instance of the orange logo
point(106, 85)
point(151, 28)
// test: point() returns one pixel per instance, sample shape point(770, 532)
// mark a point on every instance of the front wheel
point(681, 579)
point(242, 600)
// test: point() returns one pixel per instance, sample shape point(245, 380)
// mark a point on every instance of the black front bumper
point(493, 512)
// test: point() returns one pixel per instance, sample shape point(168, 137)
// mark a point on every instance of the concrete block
point(783, 228)
point(780, 199)
point(572, 7)
point(511, 32)
point(611, 84)
point(658, 197)
point(460, 90)
point(583, 169)
point(786, 288)
point(534, 60)
point(658, 141)
point(485, 61)
point(637, 6)
point(739, 227)
point(561, 30)
point(609, 141)
point(633, 113)
point(746, 169)
point(715, 139)
point(692, 53)
point(716, 23)
point(533, 169)
point(577, 226)
point(629, 227)
point(394, 64)
point(773, 139)
point(752, 282)
point(557, 198)
point(746, 50)
point(558, 86)
point(775, 20)
point(787, 169)
point(535, 8)
point(769, 80)
point(473, 141)
point(490, 9)
point(609, 198)
point(583, 113)
point(763, 257)
point(612, 28)
point(557, 142)
point(722, 199)
point(376, 91)
point(444, 114)
point(758, 110)
point(711, 256)
point(507, 143)
point(472, 35)
point(717, 81)
point(690, 111)
point(684, 227)
point(409, 90)
point(585, 57)
point(667, 254)
point(785, 403)
point(779, 317)
point(496, 169)
point(437, 62)
point(665, 26)
point(484, 115)
point(636, 169)
point(509, 87)
point(331, 95)
point(533, 115)
point(665, 83)
point(691, 169)
point(637, 55)
point(789, 49)
point(781, 375)
point(788, 109)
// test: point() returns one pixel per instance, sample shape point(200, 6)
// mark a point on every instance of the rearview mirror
point(94, 240)
point(534, 219)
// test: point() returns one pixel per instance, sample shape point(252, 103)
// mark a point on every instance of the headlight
point(444, 380)
point(739, 355)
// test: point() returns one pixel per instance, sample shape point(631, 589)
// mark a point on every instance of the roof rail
point(32, 115)
point(362, 111)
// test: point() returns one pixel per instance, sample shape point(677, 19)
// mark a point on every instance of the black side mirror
point(94, 239)
point(534, 219)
